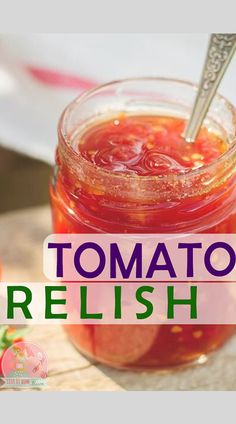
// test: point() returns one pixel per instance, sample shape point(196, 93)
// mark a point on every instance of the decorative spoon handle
point(220, 52)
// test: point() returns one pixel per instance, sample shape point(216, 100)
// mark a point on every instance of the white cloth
point(29, 109)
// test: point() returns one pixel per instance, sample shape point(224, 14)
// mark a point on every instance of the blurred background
point(41, 73)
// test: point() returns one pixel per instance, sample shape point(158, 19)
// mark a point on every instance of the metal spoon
point(220, 52)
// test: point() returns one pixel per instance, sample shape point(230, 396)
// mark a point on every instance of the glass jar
point(88, 199)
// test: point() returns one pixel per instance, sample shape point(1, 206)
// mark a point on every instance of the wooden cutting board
point(21, 237)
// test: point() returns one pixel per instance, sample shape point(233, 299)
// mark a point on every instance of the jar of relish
point(122, 166)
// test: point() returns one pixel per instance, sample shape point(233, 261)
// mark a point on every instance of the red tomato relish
point(148, 145)
point(143, 146)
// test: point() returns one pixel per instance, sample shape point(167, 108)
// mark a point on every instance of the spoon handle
point(220, 52)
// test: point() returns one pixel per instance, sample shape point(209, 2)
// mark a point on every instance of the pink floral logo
point(24, 364)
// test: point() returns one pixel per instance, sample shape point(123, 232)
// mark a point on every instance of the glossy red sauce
point(148, 145)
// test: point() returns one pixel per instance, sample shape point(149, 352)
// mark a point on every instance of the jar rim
point(77, 156)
